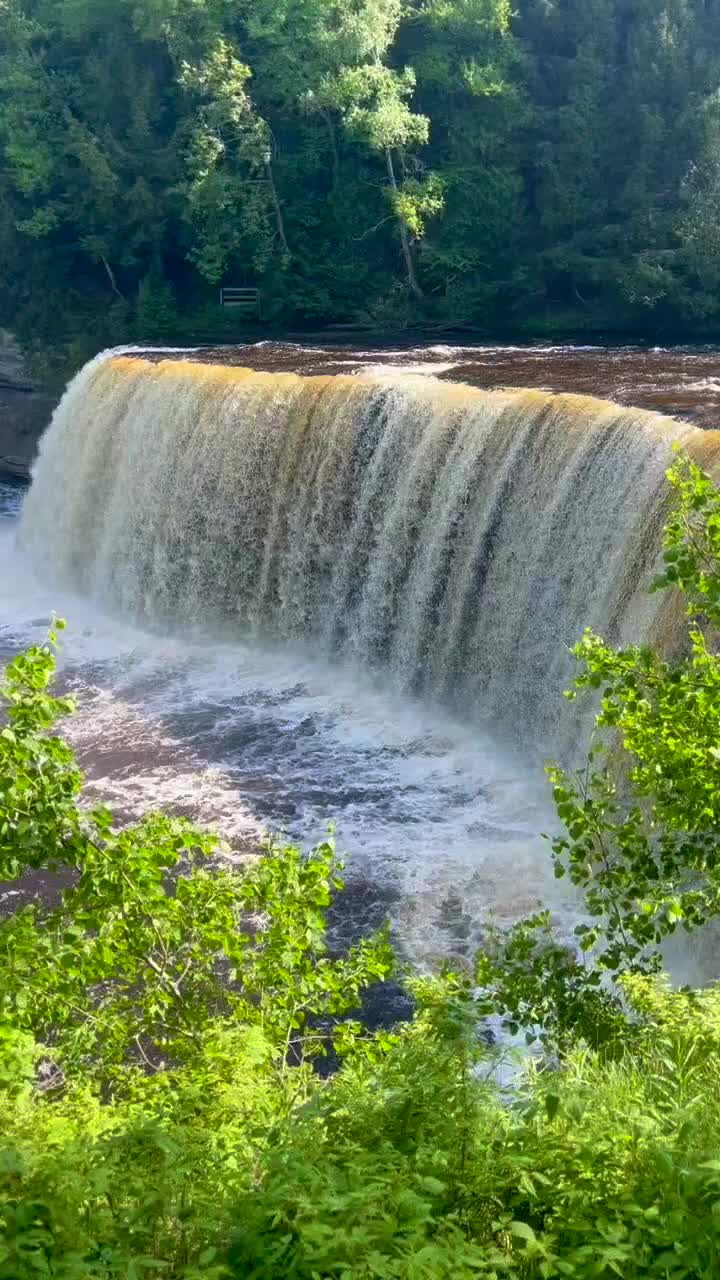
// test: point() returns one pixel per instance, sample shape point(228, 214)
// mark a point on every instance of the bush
point(156, 313)
point(642, 816)
point(160, 1108)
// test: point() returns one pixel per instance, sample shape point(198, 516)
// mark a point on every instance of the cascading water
point(308, 578)
point(458, 538)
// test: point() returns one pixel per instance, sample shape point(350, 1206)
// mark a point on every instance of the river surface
point(438, 822)
point(681, 381)
point(439, 818)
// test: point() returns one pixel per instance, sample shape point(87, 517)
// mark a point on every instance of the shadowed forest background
point(548, 166)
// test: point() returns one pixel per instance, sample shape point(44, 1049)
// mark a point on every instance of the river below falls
point(440, 821)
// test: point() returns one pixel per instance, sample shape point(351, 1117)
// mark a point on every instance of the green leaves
point(692, 542)
point(641, 819)
point(151, 950)
point(159, 1110)
point(644, 828)
point(159, 1024)
point(39, 778)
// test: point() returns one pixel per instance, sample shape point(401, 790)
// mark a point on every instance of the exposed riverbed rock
point(25, 410)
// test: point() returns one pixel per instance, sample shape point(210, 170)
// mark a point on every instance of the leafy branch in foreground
point(159, 1111)
point(642, 818)
point(151, 948)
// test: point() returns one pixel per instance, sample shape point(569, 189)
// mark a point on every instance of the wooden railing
point(246, 299)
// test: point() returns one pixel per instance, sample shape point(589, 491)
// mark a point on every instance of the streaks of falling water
point(459, 538)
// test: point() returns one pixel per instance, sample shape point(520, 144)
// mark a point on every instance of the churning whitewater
point(456, 538)
point(302, 599)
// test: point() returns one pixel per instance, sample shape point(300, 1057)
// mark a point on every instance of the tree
point(228, 152)
point(333, 60)
point(92, 193)
point(551, 164)
point(470, 85)
point(642, 817)
point(619, 89)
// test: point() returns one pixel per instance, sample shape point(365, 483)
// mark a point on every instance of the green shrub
point(642, 815)
point(161, 1114)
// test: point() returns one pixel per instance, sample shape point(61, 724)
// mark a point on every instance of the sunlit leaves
point(151, 947)
point(641, 819)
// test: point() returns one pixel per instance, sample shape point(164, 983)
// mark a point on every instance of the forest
point(544, 167)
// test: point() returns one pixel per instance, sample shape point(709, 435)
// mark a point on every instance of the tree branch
point(111, 278)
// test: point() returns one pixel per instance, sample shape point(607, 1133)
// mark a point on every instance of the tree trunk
point(279, 220)
point(111, 278)
point(404, 237)
point(334, 147)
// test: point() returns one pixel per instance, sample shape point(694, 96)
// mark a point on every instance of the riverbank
point(25, 410)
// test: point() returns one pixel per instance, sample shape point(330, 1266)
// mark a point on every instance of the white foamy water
point(440, 825)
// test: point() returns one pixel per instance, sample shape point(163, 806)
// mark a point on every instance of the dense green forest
point(545, 166)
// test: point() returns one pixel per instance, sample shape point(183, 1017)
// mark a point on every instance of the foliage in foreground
point(160, 1109)
point(642, 816)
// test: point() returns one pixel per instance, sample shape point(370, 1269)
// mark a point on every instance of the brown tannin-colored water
point(681, 381)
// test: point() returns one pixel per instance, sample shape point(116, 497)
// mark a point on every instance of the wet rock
point(25, 410)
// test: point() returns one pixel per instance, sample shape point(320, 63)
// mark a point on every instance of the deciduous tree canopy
point(450, 162)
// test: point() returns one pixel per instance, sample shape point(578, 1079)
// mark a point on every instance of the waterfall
point(455, 538)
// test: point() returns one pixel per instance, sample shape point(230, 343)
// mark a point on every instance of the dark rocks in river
point(25, 411)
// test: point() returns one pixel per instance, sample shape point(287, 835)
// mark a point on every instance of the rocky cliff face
point(25, 410)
